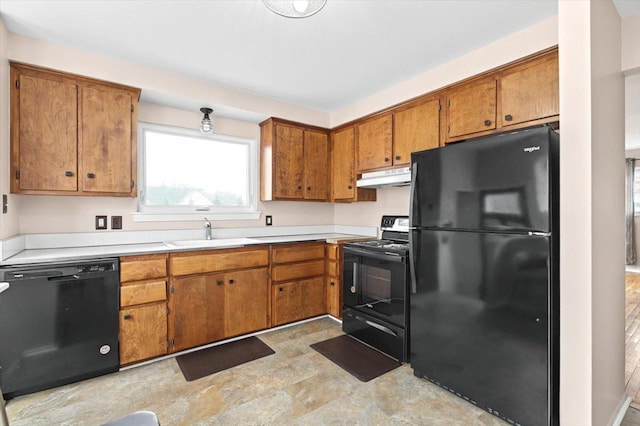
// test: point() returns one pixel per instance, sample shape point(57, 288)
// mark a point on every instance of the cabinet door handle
point(487, 122)
point(350, 187)
point(127, 316)
point(231, 281)
point(508, 117)
point(280, 289)
point(299, 187)
point(68, 174)
point(386, 159)
point(332, 283)
point(219, 282)
point(308, 188)
point(397, 157)
point(91, 175)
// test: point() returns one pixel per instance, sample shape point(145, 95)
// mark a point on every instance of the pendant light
point(206, 126)
point(295, 8)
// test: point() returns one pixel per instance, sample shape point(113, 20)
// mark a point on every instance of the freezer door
point(498, 183)
point(479, 319)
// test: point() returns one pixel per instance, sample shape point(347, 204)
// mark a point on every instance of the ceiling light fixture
point(206, 126)
point(295, 8)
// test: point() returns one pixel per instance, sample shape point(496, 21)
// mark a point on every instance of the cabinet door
point(530, 91)
point(343, 164)
point(246, 301)
point(415, 129)
point(143, 332)
point(316, 165)
point(334, 293)
point(105, 140)
point(44, 136)
point(289, 162)
point(293, 301)
point(374, 143)
point(471, 108)
point(197, 310)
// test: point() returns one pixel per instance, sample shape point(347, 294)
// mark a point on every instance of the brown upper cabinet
point(375, 138)
point(518, 95)
point(529, 91)
point(389, 139)
point(416, 127)
point(71, 135)
point(294, 161)
point(343, 168)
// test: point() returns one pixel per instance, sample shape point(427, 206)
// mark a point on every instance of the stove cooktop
point(395, 236)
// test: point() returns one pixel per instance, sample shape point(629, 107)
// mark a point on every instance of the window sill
point(176, 217)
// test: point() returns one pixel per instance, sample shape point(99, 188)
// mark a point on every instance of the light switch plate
point(101, 222)
point(268, 220)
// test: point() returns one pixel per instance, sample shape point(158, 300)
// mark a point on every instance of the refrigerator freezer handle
point(414, 184)
point(4, 286)
point(412, 263)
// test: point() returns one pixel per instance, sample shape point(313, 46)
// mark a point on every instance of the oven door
point(375, 283)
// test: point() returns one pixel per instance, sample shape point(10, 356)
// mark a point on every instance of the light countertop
point(63, 254)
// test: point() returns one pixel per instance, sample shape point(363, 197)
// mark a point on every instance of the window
point(187, 175)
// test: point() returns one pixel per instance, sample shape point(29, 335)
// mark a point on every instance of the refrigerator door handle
point(412, 196)
point(539, 234)
point(4, 286)
point(412, 264)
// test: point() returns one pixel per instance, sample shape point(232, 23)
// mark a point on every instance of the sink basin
point(221, 243)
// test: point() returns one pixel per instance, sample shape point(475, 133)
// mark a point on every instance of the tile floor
point(296, 385)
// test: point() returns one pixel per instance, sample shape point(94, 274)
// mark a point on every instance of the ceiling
point(348, 51)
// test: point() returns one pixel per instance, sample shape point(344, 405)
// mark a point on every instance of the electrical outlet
point(268, 220)
point(116, 222)
point(101, 222)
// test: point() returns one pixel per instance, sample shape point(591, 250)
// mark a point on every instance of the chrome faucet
point(207, 229)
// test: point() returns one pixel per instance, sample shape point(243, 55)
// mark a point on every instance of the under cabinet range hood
point(392, 177)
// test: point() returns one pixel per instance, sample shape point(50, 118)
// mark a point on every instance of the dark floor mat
point(201, 363)
point(356, 358)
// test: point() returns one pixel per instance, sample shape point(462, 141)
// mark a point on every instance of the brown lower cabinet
point(143, 307)
point(217, 294)
point(334, 280)
point(298, 282)
point(296, 300)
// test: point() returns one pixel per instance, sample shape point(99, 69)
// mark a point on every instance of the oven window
point(376, 283)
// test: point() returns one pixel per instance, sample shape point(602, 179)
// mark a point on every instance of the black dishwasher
point(58, 324)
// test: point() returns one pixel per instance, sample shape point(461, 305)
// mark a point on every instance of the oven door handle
point(380, 327)
point(389, 257)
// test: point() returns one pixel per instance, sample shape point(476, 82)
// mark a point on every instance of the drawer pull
point(219, 282)
point(487, 122)
point(231, 281)
point(91, 175)
point(68, 174)
point(508, 117)
point(127, 316)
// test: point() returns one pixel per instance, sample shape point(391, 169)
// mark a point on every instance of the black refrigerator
point(484, 295)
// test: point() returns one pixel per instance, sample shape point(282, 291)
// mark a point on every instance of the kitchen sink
point(221, 243)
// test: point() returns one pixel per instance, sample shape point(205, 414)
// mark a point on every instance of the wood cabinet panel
point(332, 251)
point(289, 155)
point(298, 300)
point(316, 165)
point(332, 269)
point(415, 129)
point(334, 297)
point(44, 135)
point(297, 252)
point(142, 292)
point(197, 310)
point(374, 146)
point(343, 164)
point(472, 108)
point(213, 261)
point(297, 270)
point(135, 268)
point(143, 332)
point(530, 91)
point(246, 301)
point(105, 140)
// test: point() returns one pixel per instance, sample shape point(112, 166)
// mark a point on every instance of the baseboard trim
point(624, 406)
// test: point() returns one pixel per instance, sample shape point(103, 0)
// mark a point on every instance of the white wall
point(8, 221)
point(631, 44)
point(591, 213)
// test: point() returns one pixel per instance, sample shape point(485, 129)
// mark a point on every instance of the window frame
point(190, 213)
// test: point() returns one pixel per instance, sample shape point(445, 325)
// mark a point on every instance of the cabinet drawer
point(202, 262)
point(297, 253)
point(332, 269)
point(145, 292)
point(298, 300)
point(332, 251)
point(298, 270)
point(137, 268)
